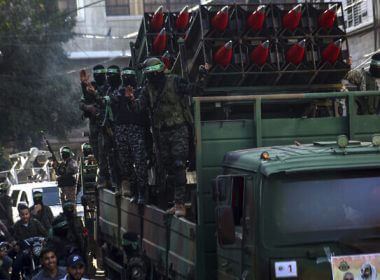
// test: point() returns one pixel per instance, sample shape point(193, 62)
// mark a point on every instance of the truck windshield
point(313, 207)
point(50, 196)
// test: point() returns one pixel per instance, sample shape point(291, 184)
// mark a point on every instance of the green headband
point(61, 224)
point(113, 71)
point(37, 194)
point(68, 203)
point(375, 62)
point(154, 68)
point(66, 150)
point(128, 72)
point(99, 71)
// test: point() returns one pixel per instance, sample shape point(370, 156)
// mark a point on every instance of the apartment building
point(362, 35)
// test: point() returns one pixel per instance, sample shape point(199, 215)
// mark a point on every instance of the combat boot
point(180, 210)
point(141, 199)
point(177, 210)
point(101, 182)
point(141, 192)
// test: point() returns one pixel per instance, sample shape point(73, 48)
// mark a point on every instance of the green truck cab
point(284, 211)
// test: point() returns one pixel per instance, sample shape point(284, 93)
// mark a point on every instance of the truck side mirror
point(222, 185)
point(225, 225)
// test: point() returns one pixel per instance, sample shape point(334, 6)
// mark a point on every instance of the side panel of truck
point(215, 138)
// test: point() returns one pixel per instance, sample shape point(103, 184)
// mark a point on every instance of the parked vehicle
point(23, 193)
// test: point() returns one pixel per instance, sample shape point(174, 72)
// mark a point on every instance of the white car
point(23, 193)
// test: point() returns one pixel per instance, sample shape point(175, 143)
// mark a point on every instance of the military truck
point(278, 188)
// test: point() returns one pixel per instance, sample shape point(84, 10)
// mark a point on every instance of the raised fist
point(83, 76)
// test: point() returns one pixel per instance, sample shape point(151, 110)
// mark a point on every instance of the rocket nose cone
point(297, 8)
point(338, 43)
point(302, 43)
point(228, 45)
point(224, 10)
point(261, 8)
point(265, 44)
point(159, 10)
point(184, 10)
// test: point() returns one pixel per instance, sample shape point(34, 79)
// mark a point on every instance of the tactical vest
point(168, 107)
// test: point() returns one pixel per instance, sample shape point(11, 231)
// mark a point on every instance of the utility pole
point(376, 23)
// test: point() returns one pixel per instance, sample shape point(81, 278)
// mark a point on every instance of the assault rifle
point(49, 147)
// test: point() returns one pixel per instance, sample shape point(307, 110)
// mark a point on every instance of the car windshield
point(50, 196)
point(320, 206)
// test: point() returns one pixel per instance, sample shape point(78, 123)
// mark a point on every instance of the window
point(355, 11)
point(14, 198)
point(237, 199)
point(24, 198)
point(68, 5)
point(169, 5)
point(117, 7)
point(50, 195)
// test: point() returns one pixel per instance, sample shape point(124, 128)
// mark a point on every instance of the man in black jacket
point(24, 228)
point(130, 134)
point(40, 211)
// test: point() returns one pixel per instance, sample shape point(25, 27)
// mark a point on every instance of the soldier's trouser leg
point(104, 174)
point(125, 157)
point(175, 145)
point(136, 140)
point(93, 139)
point(68, 193)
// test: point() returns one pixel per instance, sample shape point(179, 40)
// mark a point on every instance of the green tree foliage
point(35, 90)
point(4, 163)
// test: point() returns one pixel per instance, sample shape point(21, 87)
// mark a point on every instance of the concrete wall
point(361, 44)
point(93, 21)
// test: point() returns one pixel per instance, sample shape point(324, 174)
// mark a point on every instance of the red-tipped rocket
point(293, 18)
point(296, 53)
point(260, 54)
point(220, 20)
point(157, 21)
point(332, 51)
point(182, 19)
point(166, 59)
point(159, 43)
point(328, 17)
point(223, 55)
point(256, 20)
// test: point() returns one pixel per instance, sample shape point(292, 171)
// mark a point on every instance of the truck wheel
point(137, 269)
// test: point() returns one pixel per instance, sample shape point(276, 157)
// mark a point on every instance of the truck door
point(234, 212)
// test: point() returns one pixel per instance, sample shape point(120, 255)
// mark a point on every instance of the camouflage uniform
point(130, 142)
point(170, 117)
point(364, 81)
point(107, 164)
point(89, 100)
point(130, 136)
point(66, 172)
point(174, 145)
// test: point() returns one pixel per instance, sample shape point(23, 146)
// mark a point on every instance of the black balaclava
point(128, 76)
point(113, 76)
point(157, 79)
point(99, 73)
point(69, 208)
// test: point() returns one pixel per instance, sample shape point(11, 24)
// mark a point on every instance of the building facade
point(360, 18)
